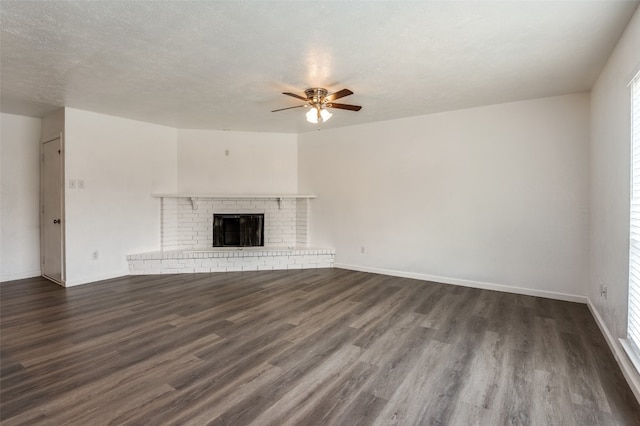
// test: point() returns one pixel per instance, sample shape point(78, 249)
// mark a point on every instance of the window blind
point(633, 322)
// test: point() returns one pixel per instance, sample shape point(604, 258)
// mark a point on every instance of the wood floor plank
point(335, 367)
point(215, 404)
point(326, 407)
point(397, 363)
point(362, 411)
point(303, 347)
point(454, 372)
point(407, 404)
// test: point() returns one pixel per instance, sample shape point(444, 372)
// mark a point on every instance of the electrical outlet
point(603, 291)
point(226, 152)
point(80, 183)
point(72, 184)
point(94, 255)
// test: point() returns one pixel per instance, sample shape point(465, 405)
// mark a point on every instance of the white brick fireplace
point(187, 236)
point(187, 223)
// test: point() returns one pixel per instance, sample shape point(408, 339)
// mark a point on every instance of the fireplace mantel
point(194, 197)
point(234, 196)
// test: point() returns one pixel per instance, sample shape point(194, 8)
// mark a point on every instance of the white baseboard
point(81, 281)
point(20, 276)
point(628, 370)
point(468, 283)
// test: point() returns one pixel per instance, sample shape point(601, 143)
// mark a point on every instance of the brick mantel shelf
point(194, 197)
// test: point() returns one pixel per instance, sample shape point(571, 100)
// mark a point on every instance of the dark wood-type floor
point(312, 347)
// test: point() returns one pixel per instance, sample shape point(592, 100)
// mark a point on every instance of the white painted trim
point(63, 254)
point(233, 196)
point(53, 280)
point(468, 283)
point(628, 370)
point(20, 276)
point(631, 352)
point(73, 283)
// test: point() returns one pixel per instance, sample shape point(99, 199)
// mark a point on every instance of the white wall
point(610, 160)
point(20, 189)
point(121, 162)
point(495, 195)
point(258, 163)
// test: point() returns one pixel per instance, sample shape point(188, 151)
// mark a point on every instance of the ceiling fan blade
point(282, 109)
point(294, 95)
point(345, 106)
point(339, 94)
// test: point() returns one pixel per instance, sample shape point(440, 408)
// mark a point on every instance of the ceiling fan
point(319, 99)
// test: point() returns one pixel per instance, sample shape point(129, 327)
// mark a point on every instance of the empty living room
point(320, 212)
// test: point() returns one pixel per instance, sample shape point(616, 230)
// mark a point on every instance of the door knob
point(56, 220)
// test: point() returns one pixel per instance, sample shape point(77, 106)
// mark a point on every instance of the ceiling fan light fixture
point(312, 116)
point(317, 115)
point(326, 115)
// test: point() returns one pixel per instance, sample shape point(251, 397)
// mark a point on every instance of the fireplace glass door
point(238, 230)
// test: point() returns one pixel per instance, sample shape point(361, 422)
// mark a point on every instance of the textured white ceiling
point(222, 65)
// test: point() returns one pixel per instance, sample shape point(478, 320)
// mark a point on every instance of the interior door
point(52, 226)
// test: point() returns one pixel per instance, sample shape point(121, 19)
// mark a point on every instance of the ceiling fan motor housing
point(316, 95)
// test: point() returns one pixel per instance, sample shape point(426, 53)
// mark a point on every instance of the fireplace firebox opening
point(238, 230)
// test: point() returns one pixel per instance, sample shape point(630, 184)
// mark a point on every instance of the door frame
point(63, 266)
